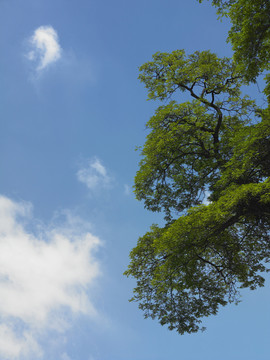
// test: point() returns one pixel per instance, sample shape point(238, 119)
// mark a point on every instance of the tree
point(216, 145)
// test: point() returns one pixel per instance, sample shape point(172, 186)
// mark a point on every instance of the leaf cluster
point(249, 36)
point(187, 270)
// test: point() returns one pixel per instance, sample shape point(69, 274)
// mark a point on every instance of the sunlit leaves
point(249, 35)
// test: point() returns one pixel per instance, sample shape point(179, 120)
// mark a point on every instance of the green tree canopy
point(218, 143)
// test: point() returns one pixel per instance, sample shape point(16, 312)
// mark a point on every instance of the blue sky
point(72, 113)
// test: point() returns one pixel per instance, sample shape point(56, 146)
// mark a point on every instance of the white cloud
point(94, 175)
point(206, 200)
point(127, 190)
point(45, 47)
point(44, 277)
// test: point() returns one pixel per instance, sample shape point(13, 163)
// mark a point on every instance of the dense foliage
point(205, 164)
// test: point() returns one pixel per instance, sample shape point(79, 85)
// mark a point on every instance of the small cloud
point(127, 189)
point(45, 48)
point(206, 200)
point(94, 175)
point(65, 357)
point(45, 277)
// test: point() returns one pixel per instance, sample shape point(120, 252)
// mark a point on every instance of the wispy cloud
point(45, 276)
point(127, 190)
point(65, 356)
point(94, 175)
point(12, 346)
point(45, 47)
